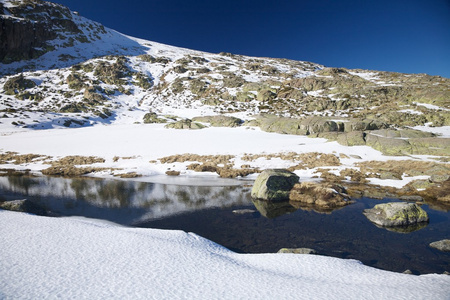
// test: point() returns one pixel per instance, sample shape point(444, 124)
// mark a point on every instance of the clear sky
point(410, 36)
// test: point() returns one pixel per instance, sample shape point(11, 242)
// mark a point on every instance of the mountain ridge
point(88, 74)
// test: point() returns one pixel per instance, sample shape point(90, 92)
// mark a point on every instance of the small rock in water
point(396, 214)
point(415, 198)
point(408, 272)
point(297, 250)
point(442, 245)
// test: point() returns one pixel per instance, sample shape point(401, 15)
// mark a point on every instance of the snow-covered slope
point(75, 258)
point(88, 74)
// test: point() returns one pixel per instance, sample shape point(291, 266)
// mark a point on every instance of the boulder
point(354, 138)
point(274, 185)
point(442, 245)
point(323, 196)
point(151, 117)
point(185, 124)
point(297, 250)
point(396, 214)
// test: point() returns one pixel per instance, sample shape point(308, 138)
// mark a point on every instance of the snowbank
point(79, 258)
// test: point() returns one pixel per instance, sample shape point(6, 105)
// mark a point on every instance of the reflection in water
point(274, 209)
point(405, 229)
point(121, 201)
point(212, 213)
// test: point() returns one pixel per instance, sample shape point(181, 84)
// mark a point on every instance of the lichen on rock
point(396, 214)
point(274, 185)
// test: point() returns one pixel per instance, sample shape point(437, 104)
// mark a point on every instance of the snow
point(143, 144)
point(78, 258)
point(396, 182)
point(431, 106)
point(411, 111)
point(443, 132)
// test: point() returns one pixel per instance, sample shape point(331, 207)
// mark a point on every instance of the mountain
point(62, 70)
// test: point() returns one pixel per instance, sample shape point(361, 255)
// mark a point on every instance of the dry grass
point(213, 159)
point(70, 171)
point(17, 159)
point(408, 167)
point(128, 175)
point(77, 160)
point(66, 166)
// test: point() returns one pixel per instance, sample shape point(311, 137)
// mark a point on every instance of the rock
point(185, 124)
point(389, 146)
point(172, 173)
point(439, 178)
point(297, 250)
point(415, 198)
point(274, 185)
point(396, 214)
point(16, 84)
point(219, 121)
point(24, 206)
point(390, 175)
point(321, 195)
point(354, 138)
point(151, 118)
point(442, 245)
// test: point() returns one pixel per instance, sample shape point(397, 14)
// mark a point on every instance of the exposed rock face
point(297, 250)
point(443, 245)
point(220, 121)
point(274, 185)
point(320, 195)
point(185, 124)
point(28, 27)
point(396, 214)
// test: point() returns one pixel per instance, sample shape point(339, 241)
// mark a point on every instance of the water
point(208, 211)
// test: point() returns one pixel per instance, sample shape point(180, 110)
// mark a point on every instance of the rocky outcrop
point(442, 245)
point(219, 121)
point(151, 117)
point(17, 84)
point(23, 39)
point(396, 214)
point(274, 185)
point(27, 27)
point(323, 196)
point(185, 124)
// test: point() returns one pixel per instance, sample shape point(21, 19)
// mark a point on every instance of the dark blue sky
point(411, 36)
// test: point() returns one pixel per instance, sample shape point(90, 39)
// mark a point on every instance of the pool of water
point(227, 215)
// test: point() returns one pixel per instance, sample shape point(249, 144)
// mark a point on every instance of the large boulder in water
point(274, 185)
point(396, 214)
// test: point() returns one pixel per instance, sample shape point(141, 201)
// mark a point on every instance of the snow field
point(79, 258)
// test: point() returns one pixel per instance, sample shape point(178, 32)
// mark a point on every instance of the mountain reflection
point(120, 201)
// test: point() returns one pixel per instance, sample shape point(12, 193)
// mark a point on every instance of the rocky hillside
point(60, 69)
